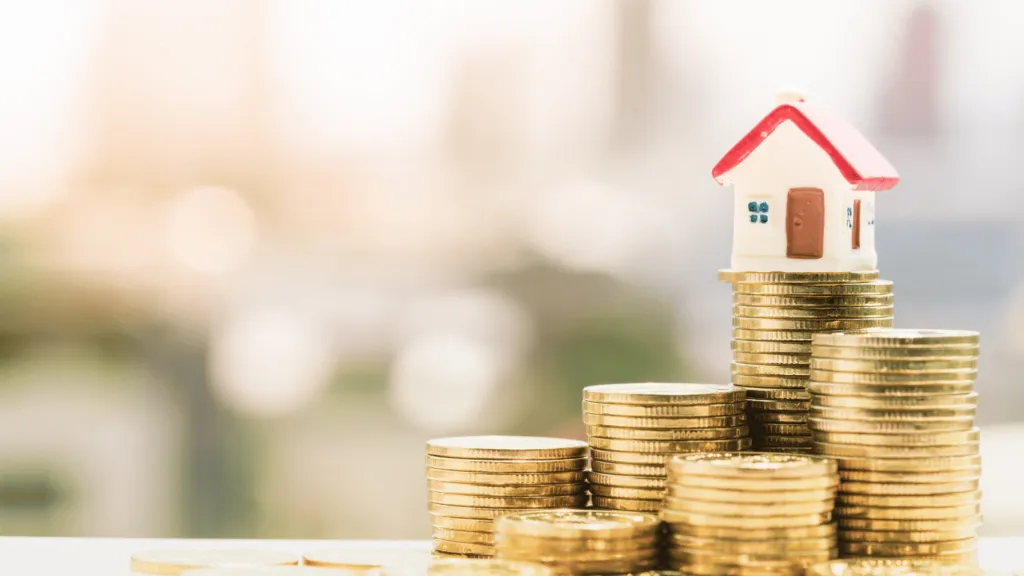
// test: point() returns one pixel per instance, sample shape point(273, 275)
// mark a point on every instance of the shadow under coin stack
point(897, 408)
point(774, 316)
point(581, 541)
point(474, 479)
point(749, 513)
point(634, 428)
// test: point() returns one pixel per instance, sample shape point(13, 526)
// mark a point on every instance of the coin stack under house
point(473, 480)
point(749, 513)
point(581, 541)
point(774, 316)
point(634, 428)
point(897, 409)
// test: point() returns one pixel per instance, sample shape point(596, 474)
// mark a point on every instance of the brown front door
point(805, 223)
point(856, 224)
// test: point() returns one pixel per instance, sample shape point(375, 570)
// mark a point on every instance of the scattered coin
point(507, 447)
point(677, 394)
point(177, 561)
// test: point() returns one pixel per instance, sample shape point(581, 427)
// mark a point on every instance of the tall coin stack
point(474, 479)
point(897, 408)
point(749, 513)
point(581, 541)
point(774, 316)
point(634, 428)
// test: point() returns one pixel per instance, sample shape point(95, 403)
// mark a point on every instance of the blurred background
point(255, 252)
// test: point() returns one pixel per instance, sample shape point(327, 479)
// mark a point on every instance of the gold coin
point(663, 410)
point(568, 501)
point(844, 289)
point(619, 468)
point(486, 538)
point(462, 548)
point(560, 554)
point(926, 477)
point(748, 497)
point(806, 325)
point(795, 336)
point(793, 382)
point(451, 556)
point(926, 414)
point(626, 481)
point(919, 465)
point(922, 366)
point(487, 490)
point(630, 504)
point(769, 347)
point(752, 358)
point(770, 442)
point(813, 313)
point(748, 509)
point(177, 561)
point(890, 390)
point(627, 565)
point(504, 479)
point(943, 378)
point(655, 393)
point(756, 404)
point(908, 525)
point(486, 567)
point(591, 548)
point(819, 531)
point(665, 446)
point(928, 501)
point(826, 301)
point(909, 489)
point(906, 548)
point(745, 522)
point(922, 402)
point(890, 567)
point(754, 484)
point(901, 338)
point(507, 466)
point(726, 275)
point(703, 556)
point(668, 434)
point(664, 423)
point(472, 512)
point(751, 465)
point(760, 419)
point(506, 448)
point(749, 568)
point(632, 493)
point(654, 457)
point(889, 427)
point(464, 524)
point(856, 451)
point(769, 370)
point(885, 354)
point(770, 428)
point(775, 547)
point(900, 440)
point(778, 394)
point(911, 536)
point(587, 524)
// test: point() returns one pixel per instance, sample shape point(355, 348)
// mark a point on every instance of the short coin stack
point(634, 428)
point(581, 541)
point(774, 316)
point(897, 407)
point(474, 479)
point(749, 513)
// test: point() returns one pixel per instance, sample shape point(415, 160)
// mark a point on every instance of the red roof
point(858, 161)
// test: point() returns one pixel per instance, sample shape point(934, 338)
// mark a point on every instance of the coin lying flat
point(973, 520)
point(770, 370)
point(464, 536)
point(596, 478)
point(504, 479)
point(919, 402)
point(654, 457)
point(928, 366)
point(816, 301)
point(924, 414)
point(771, 347)
point(902, 426)
point(507, 466)
point(909, 489)
point(756, 483)
point(462, 548)
point(909, 536)
point(929, 501)
point(924, 477)
point(486, 567)
point(568, 501)
point(677, 434)
point(800, 336)
point(663, 410)
point(906, 548)
point(280, 571)
point(762, 381)
point(919, 465)
point(627, 492)
point(751, 465)
point(776, 359)
point(579, 524)
point(920, 439)
point(885, 354)
point(177, 561)
point(770, 428)
point(626, 469)
point(750, 497)
point(506, 447)
point(654, 393)
point(779, 547)
point(890, 567)
point(466, 524)
point(899, 338)
point(562, 549)
point(811, 325)
point(778, 394)
point(727, 275)
point(657, 423)
point(664, 446)
point(904, 514)
point(625, 504)
point(812, 313)
point(469, 512)
point(749, 511)
point(840, 289)
point(757, 404)
point(857, 451)
point(937, 378)
point(932, 390)
point(760, 419)
point(688, 555)
point(825, 531)
point(485, 490)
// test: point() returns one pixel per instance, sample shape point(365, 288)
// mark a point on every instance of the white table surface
point(110, 556)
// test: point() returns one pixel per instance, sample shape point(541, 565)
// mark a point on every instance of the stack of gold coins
point(897, 408)
point(485, 567)
point(747, 513)
point(474, 479)
point(634, 428)
point(774, 316)
point(891, 567)
point(581, 541)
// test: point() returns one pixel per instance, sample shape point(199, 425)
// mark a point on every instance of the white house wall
point(789, 159)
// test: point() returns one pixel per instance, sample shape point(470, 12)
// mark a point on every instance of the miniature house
point(804, 181)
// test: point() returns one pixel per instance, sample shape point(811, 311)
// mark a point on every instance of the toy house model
point(804, 181)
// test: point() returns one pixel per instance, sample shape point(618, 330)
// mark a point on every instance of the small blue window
point(752, 206)
point(764, 218)
point(763, 207)
point(759, 211)
point(753, 218)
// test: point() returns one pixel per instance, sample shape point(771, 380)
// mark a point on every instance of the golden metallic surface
point(769, 370)
point(750, 497)
point(465, 524)
point(890, 567)
point(869, 288)
point(569, 501)
point(564, 567)
point(917, 465)
point(792, 336)
point(903, 426)
point(658, 423)
point(663, 410)
point(906, 548)
point(857, 451)
point(749, 510)
point(665, 446)
point(789, 382)
point(778, 394)
point(772, 358)
point(625, 504)
point(899, 338)
point(816, 301)
point(909, 489)
point(885, 354)
point(626, 492)
point(703, 556)
point(876, 378)
point(466, 537)
point(489, 490)
point(583, 548)
point(887, 403)
point(462, 548)
point(619, 468)
point(471, 512)
point(507, 466)
point(924, 477)
point(804, 325)
point(757, 522)
point(923, 415)
point(756, 404)
point(506, 448)
point(727, 275)
point(173, 562)
point(827, 531)
point(749, 568)
point(894, 390)
point(659, 458)
point(504, 479)
point(750, 465)
point(769, 443)
point(676, 434)
point(486, 567)
point(917, 439)
point(909, 525)
point(626, 481)
point(813, 313)
point(934, 367)
point(770, 428)
point(942, 535)
point(655, 393)
point(928, 501)
point(780, 547)
point(760, 419)
point(589, 524)
point(756, 483)
point(771, 347)
point(879, 513)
